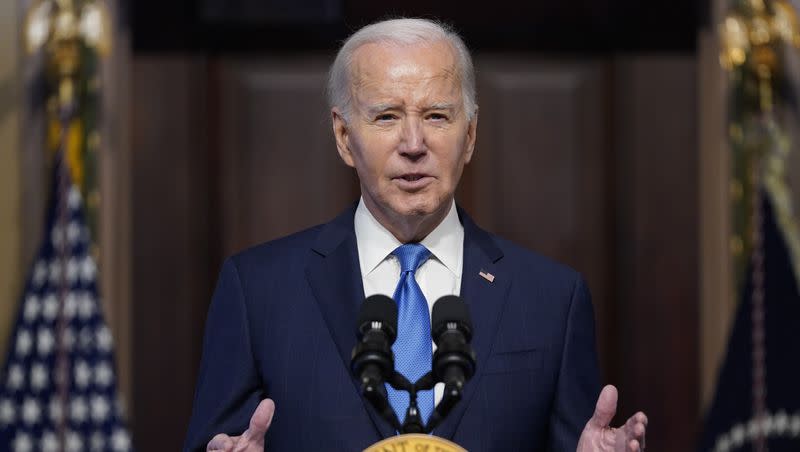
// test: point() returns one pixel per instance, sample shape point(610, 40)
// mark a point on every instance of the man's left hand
point(599, 436)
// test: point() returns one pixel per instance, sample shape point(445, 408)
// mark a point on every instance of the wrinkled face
point(407, 134)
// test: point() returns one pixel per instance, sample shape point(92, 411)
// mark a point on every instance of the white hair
point(400, 32)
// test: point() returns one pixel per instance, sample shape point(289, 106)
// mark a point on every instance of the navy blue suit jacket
point(282, 325)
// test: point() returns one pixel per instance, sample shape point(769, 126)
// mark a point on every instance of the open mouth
point(413, 181)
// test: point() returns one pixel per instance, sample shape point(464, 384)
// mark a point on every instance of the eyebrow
point(379, 108)
point(382, 107)
point(442, 106)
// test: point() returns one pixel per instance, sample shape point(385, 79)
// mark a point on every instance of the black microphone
point(372, 360)
point(454, 359)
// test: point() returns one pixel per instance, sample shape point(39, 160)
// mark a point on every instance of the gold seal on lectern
point(415, 442)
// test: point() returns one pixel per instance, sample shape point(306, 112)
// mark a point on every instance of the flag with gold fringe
point(72, 35)
point(756, 406)
point(58, 387)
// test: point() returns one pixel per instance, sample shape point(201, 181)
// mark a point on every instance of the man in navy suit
point(282, 321)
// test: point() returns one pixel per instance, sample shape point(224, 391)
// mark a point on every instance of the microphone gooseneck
point(453, 363)
point(372, 360)
point(454, 359)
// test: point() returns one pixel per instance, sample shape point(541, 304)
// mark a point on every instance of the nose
point(412, 142)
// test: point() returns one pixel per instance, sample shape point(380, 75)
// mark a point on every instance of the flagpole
point(66, 112)
point(62, 357)
point(66, 61)
point(758, 349)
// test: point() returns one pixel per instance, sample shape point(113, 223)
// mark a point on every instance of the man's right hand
point(252, 440)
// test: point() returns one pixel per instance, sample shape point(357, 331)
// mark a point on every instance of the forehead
point(384, 69)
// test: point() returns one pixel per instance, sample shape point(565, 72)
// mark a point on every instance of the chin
point(420, 206)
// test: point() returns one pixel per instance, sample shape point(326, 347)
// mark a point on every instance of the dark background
point(586, 26)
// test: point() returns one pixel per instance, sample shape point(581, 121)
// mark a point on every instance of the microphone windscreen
point(382, 309)
point(450, 309)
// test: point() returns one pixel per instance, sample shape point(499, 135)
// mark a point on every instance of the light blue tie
point(412, 349)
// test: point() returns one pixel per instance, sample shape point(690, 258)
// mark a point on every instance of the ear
point(342, 135)
point(472, 133)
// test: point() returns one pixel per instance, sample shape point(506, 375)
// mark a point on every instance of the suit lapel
point(335, 278)
point(486, 301)
point(334, 275)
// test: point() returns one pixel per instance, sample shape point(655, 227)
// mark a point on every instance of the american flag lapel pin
point(486, 275)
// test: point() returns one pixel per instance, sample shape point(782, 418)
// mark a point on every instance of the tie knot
point(411, 256)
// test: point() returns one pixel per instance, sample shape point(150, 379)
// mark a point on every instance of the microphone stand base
point(415, 441)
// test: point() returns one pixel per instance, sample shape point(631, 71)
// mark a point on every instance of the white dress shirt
point(438, 276)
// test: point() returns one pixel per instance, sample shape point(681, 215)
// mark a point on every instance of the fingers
point(638, 419)
point(220, 443)
point(260, 421)
point(635, 428)
point(641, 421)
point(605, 409)
point(252, 437)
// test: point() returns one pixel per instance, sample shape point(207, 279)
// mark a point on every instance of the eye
point(384, 117)
point(437, 117)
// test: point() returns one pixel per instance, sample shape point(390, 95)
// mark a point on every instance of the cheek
point(373, 153)
point(370, 167)
point(453, 158)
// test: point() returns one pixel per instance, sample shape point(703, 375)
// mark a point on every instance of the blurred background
point(196, 128)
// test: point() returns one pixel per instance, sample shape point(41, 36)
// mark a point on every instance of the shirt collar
point(376, 243)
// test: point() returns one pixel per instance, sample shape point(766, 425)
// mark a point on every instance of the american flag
point(58, 387)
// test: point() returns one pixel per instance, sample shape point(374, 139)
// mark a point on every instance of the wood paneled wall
point(280, 171)
point(592, 162)
point(657, 243)
point(170, 242)
point(718, 297)
point(540, 176)
point(11, 261)
point(116, 209)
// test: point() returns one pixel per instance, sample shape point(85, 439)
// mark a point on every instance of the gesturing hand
point(598, 436)
point(252, 440)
